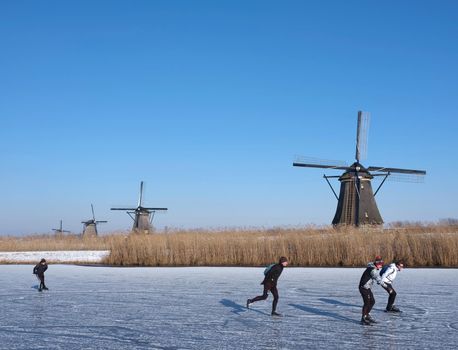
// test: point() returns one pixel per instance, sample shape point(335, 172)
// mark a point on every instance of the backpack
point(383, 270)
point(268, 268)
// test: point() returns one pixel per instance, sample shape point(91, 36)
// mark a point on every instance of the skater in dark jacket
point(39, 270)
point(370, 275)
point(388, 274)
point(270, 284)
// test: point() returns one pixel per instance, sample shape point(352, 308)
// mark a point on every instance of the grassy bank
point(419, 246)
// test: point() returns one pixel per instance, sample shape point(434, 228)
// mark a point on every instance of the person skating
point(270, 284)
point(388, 274)
point(39, 271)
point(370, 275)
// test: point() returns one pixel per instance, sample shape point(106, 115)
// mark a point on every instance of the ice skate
point(365, 321)
point(393, 309)
point(248, 302)
point(276, 314)
point(370, 318)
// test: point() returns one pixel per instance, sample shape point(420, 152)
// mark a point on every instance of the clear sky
point(209, 102)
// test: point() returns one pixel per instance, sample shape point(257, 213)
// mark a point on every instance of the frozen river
point(203, 308)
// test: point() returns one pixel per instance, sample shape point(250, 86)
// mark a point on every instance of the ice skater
point(370, 275)
point(39, 271)
point(270, 284)
point(388, 274)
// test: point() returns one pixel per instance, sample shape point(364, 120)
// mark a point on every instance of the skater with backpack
point(272, 273)
point(388, 274)
point(370, 275)
point(39, 271)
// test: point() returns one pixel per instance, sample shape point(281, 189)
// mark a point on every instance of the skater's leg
point(260, 297)
point(366, 300)
point(391, 297)
point(371, 301)
point(274, 292)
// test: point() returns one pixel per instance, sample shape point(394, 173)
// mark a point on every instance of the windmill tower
point(59, 231)
point(142, 216)
point(356, 203)
point(90, 226)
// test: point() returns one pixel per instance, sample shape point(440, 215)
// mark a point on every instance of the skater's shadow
point(319, 312)
point(336, 302)
point(339, 303)
point(237, 308)
point(35, 286)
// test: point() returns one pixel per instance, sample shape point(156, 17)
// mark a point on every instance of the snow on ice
point(204, 308)
point(89, 256)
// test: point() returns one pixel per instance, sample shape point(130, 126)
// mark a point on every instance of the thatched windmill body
point(90, 226)
point(356, 203)
point(142, 216)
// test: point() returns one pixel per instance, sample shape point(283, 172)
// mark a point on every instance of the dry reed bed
point(53, 242)
point(419, 246)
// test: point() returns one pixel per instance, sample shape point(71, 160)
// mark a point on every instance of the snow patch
point(90, 256)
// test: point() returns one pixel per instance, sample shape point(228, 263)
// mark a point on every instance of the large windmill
point(90, 226)
point(60, 230)
point(142, 216)
point(356, 201)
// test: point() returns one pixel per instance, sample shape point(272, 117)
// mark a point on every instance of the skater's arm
point(376, 276)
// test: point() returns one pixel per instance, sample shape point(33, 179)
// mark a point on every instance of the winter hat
point(378, 260)
point(283, 259)
point(42, 260)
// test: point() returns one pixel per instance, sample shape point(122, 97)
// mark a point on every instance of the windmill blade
point(396, 170)
point(310, 162)
point(361, 135)
point(155, 209)
point(93, 215)
point(101, 221)
point(141, 194)
point(411, 178)
point(123, 208)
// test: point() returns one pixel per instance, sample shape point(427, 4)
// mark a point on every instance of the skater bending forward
point(388, 275)
point(39, 270)
point(370, 275)
point(270, 284)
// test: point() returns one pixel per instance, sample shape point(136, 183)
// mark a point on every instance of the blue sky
point(209, 102)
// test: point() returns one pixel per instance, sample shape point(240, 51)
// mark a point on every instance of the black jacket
point(273, 275)
point(40, 269)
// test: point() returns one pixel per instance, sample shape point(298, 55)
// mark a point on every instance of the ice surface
point(90, 256)
point(203, 308)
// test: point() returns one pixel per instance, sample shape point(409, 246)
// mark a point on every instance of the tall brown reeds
point(419, 245)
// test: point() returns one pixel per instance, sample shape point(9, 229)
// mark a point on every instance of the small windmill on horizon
point(60, 230)
point(356, 203)
point(90, 226)
point(142, 216)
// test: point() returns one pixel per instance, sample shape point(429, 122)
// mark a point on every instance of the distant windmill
point(59, 231)
point(356, 202)
point(142, 216)
point(90, 226)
